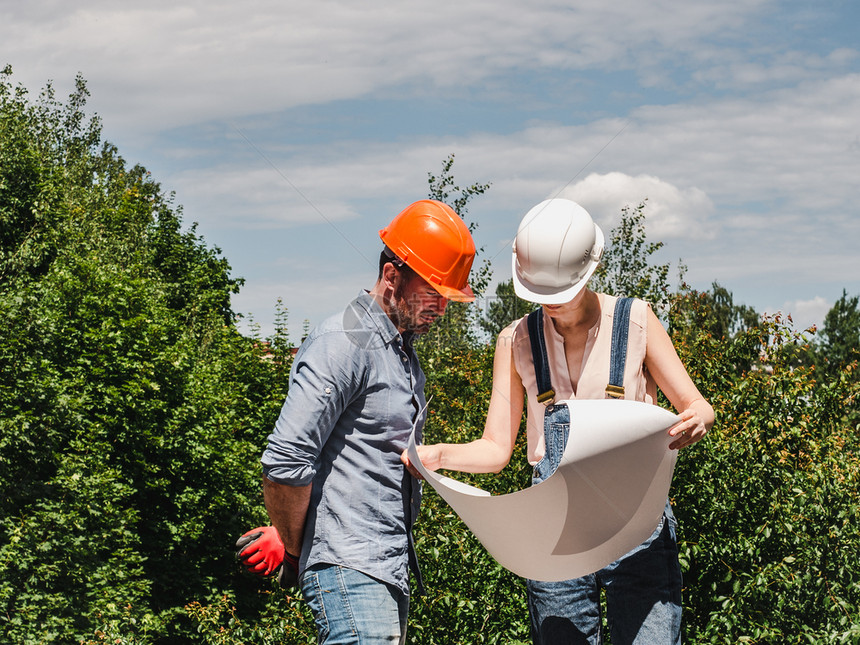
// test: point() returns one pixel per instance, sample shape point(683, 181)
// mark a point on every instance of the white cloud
point(755, 186)
point(256, 198)
point(735, 71)
point(806, 313)
point(169, 64)
point(670, 212)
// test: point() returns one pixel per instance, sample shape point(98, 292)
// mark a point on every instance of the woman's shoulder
point(638, 308)
point(516, 328)
point(516, 333)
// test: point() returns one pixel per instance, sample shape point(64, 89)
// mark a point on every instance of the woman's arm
point(661, 359)
point(493, 450)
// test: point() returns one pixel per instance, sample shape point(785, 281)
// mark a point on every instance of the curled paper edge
point(605, 498)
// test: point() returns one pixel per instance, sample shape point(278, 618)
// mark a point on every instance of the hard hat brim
point(457, 295)
point(544, 295)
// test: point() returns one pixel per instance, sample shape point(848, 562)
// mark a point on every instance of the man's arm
point(288, 508)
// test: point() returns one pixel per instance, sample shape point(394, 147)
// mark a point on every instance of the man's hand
point(262, 552)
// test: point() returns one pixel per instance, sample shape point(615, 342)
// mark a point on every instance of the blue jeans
point(351, 608)
point(643, 587)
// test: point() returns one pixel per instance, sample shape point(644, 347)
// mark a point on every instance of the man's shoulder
point(361, 325)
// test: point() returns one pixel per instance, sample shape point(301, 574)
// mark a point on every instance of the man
point(341, 503)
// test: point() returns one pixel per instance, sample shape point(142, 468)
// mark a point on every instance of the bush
point(470, 598)
point(768, 502)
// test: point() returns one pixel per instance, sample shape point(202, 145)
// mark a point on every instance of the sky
point(291, 131)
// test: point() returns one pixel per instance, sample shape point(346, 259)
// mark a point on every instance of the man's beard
point(406, 318)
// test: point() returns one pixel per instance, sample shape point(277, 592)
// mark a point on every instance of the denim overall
point(643, 587)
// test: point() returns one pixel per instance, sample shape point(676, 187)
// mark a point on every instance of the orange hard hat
point(434, 242)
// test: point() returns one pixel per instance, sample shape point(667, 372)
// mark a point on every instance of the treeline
point(133, 415)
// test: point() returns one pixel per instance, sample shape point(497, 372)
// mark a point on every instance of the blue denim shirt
point(356, 388)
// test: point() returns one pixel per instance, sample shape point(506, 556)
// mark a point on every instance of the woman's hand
point(690, 429)
point(431, 459)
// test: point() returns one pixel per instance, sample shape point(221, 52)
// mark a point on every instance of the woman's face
point(558, 311)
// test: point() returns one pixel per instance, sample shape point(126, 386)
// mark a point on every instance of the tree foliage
point(839, 343)
point(504, 308)
point(768, 501)
point(627, 269)
point(470, 598)
point(715, 313)
point(456, 331)
point(130, 409)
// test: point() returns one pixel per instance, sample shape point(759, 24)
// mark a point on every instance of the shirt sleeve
point(325, 377)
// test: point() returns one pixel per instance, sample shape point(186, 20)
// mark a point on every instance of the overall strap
point(546, 394)
point(618, 357)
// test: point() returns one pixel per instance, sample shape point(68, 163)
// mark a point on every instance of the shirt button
point(404, 358)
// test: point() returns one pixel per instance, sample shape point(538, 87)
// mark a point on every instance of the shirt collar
point(376, 318)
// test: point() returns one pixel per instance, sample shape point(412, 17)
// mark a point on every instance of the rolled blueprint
point(605, 498)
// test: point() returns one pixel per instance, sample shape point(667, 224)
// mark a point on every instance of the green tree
point(503, 309)
point(767, 502)
point(470, 598)
point(131, 411)
point(456, 330)
point(626, 268)
point(715, 312)
point(839, 342)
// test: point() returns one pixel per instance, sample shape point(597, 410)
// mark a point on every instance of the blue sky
point(291, 131)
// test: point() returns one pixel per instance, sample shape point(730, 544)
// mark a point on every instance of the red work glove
point(262, 552)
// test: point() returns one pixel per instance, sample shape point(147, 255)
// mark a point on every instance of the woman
point(556, 251)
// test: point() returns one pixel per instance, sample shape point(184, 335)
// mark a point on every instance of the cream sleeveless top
point(594, 374)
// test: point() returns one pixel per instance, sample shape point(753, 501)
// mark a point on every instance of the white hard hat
point(557, 249)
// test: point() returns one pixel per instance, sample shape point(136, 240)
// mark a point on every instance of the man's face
point(417, 305)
